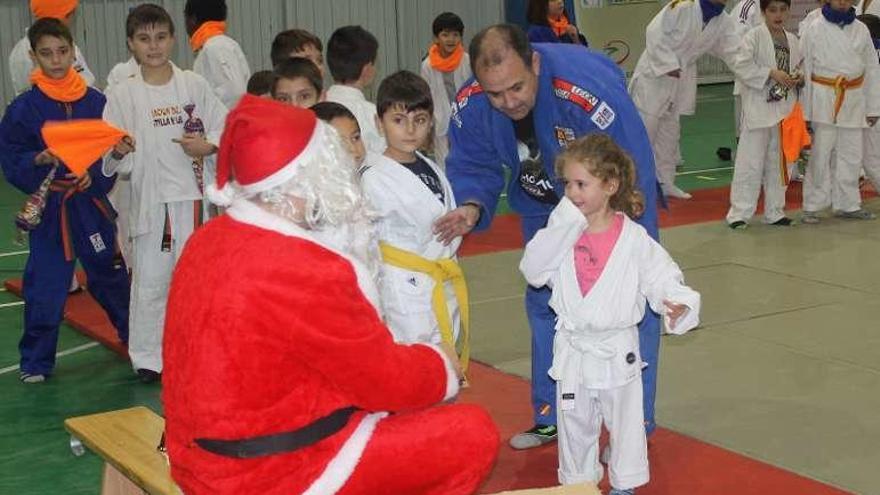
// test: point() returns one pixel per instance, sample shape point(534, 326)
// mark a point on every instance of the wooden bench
point(127, 440)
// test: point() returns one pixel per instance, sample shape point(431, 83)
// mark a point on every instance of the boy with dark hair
point(77, 221)
point(409, 193)
point(446, 68)
point(20, 62)
point(297, 43)
point(219, 58)
point(297, 82)
point(766, 68)
point(346, 125)
point(351, 57)
point(260, 83)
point(175, 120)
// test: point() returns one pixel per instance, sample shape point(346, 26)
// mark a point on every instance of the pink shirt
point(591, 253)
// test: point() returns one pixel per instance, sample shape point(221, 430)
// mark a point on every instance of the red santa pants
point(445, 450)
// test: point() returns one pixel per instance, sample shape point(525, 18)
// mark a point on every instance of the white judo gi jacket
point(406, 211)
point(830, 51)
point(21, 66)
point(752, 65)
point(128, 107)
point(222, 63)
point(597, 342)
point(675, 39)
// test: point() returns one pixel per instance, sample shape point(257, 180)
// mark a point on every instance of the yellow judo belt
point(839, 84)
point(442, 271)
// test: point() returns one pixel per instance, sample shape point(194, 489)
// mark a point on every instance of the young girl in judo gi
point(766, 71)
point(602, 267)
point(423, 289)
point(841, 98)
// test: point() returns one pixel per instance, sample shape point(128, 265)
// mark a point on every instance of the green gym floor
point(784, 369)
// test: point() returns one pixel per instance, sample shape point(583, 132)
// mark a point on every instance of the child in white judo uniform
point(602, 267)
point(664, 84)
point(871, 137)
point(168, 166)
point(841, 98)
point(765, 68)
point(423, 289)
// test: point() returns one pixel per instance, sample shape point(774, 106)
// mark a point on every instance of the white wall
point(403, 28)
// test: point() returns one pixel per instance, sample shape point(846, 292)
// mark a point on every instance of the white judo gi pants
point(871, 161)
point(832, 177)
point(758, 159)
point(664, 131)
point(580, 424)
point(150, 281)
point(120, 198)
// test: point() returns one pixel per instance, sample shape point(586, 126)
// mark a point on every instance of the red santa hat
point(262, 146)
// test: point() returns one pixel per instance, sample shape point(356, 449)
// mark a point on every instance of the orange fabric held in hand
point(68, 89)
point(794, 134)
point(205, 32)
point(55, 9)
point(80, 143)
point(447, 64)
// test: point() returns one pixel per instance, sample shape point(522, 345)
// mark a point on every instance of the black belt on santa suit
point(280, 443)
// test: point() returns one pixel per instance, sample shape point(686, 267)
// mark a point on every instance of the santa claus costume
point(280, 377)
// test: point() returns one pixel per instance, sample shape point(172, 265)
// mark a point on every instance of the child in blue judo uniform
point(77, 221)
point(526, 103)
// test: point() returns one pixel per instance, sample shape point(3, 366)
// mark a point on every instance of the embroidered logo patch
point(97, 242)
point(575, 94)
point(568, 396)
point(461, 100)
point(564, 135)
point(603, 117)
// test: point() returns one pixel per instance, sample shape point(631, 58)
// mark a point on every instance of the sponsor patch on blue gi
point(564, 135)
point(603, 116)
point(97, 242)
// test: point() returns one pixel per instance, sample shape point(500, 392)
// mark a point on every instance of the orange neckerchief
point(447, 64)
point(68, 89)
point(205, 32)
point(559, 26)
point(80, 143)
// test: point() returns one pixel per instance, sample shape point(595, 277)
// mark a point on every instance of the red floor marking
point(707, 205)
point(679, 464)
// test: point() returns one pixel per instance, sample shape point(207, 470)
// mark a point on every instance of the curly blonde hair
point(607, 161)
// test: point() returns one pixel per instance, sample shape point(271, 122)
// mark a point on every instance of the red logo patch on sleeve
point(575, 94)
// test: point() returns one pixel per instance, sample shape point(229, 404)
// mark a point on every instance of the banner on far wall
point(616, 27)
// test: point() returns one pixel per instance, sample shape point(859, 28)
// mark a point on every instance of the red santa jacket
point(266, 332)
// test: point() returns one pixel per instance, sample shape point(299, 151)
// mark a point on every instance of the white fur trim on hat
point(221, 197)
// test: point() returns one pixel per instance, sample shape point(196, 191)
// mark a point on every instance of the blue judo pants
point(542, 321)
point(47, 277)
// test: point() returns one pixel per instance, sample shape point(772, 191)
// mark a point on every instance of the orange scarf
point(794, 136)
point(447, 64)
point(68, 89)
point(54, 9)
point(559, 26)
point(205, 32)
point(80, 143)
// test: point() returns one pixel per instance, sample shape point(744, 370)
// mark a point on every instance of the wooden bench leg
point(115, 483)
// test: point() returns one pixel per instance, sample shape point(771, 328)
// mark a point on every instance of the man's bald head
point(491, 46)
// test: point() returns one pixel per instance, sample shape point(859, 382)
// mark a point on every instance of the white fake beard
point(335, 208)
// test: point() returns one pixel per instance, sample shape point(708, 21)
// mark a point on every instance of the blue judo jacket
point(20, 142)
point(579, 92)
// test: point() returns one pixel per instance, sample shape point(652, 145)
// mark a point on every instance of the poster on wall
point(616, 27)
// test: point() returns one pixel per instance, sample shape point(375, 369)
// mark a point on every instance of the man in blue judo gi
point(524, 105)
point(68, 218)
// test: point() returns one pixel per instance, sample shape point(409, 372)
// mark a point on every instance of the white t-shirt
point(175, 167)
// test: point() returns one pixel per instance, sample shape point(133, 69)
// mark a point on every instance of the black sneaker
point(537, 436)
point(783, 222)
point(738, 225)
point(148, 376)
